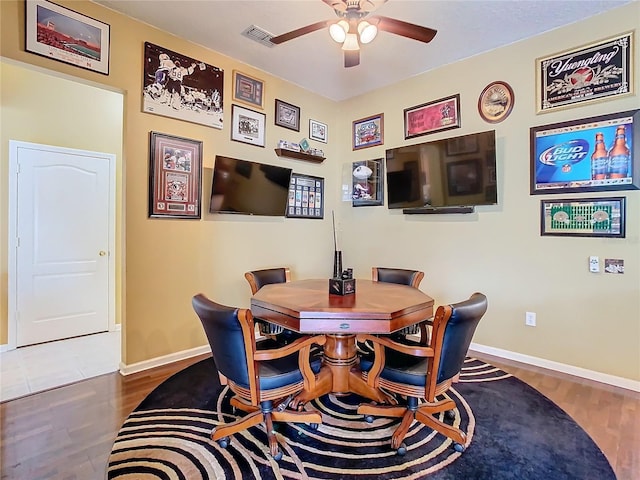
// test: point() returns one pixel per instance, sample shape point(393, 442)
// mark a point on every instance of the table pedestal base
point(340, 373)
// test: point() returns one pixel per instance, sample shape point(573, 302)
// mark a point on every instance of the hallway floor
point(36, 368)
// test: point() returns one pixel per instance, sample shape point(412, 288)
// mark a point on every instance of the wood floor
point(67, 433)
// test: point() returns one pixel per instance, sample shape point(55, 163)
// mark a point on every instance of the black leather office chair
point(258, 378)
point(258, 279)
point(414, 371)
point(403, 276)
point(397, 275)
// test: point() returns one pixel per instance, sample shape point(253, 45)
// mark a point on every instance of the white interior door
point(63, 231)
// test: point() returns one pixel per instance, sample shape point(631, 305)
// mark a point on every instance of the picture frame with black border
point(181, 87)
point(62, 43)
point(175, 176)
point(306, 197)
point(368, 131)
point(287, 115)
point(584, 217)
point(248, 89)
point(431, 117)
point(247, 126)
point(563, 81)
point(561, 155)
point(318, 131)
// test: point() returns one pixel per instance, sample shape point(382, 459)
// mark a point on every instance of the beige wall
point(584, 320)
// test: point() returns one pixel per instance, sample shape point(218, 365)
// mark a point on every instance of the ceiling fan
point(352, 29)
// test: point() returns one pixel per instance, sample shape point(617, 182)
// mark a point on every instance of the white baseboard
point(164, 360)
point(559, 367)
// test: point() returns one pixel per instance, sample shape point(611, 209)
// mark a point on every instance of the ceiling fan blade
point(351, 58)
point(404, 29)
point(337, 5)
point(278, 39)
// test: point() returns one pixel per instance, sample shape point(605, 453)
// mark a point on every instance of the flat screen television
point(250, 188)
point(452, 172)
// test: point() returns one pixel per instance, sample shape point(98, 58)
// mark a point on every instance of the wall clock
point(496, 102)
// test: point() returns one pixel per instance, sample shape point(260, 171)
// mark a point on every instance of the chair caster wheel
point(458, 447)
point(278, 456)
point(223, 442)
point(313, 426)
point(450, 414)
point(368, 418)
point(402, 449)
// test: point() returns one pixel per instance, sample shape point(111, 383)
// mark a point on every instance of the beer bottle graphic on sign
point(619, 155)
point(599, 159)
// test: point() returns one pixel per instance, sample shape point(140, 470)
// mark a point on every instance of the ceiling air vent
point(259, 35)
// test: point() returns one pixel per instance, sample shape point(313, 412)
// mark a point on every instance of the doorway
point(52, 108)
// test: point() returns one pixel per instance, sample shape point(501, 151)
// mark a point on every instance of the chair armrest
point(295, 346)
point(415, 350)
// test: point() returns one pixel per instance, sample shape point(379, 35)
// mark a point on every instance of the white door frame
point(13, 240)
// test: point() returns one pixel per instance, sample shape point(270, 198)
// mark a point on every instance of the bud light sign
point(587, 155)
point(566, 153)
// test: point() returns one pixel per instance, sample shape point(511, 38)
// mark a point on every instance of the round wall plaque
point(496, 102)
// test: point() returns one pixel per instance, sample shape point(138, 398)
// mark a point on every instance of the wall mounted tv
point(452, 174)
point(250, 188)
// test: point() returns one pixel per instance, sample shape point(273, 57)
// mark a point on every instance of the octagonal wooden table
point(306, 306)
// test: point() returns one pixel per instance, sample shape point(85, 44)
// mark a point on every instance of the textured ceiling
point(465, 28)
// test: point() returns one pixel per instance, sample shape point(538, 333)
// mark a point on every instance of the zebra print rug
point(513, 432)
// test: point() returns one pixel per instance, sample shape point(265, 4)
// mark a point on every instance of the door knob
point(102, 253)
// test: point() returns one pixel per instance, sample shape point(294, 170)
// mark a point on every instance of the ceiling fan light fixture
point(351, 42)
point(338, 31)
point(367, 31)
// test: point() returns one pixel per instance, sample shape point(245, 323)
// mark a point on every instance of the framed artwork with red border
point(437, 116)
point(175, 177)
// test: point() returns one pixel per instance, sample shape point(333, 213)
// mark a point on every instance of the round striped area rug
point(512, 432)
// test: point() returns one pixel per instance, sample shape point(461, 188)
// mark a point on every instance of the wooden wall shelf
point(281, 152)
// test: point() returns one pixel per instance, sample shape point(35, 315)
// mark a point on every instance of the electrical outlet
point(530, 319)
point(594, 264)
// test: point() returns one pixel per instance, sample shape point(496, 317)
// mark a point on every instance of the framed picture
point(585, 74)
point(593, 154)
point(583, 217)
point(437, 116)
point(464, 177)
point(248, 89)
point(67, 36)
point(306, 197)
point(247, 126)
point(175, 176)
point(287, 115)
point(368, 132)
point(181, 87)
point(496, 102)
point(318, 131)
point(462, 145)
point(368, 183)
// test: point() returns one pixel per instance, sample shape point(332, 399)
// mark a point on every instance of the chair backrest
point(458, 331)
point(259, 278)
point(226, 338)
point(397, 275)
